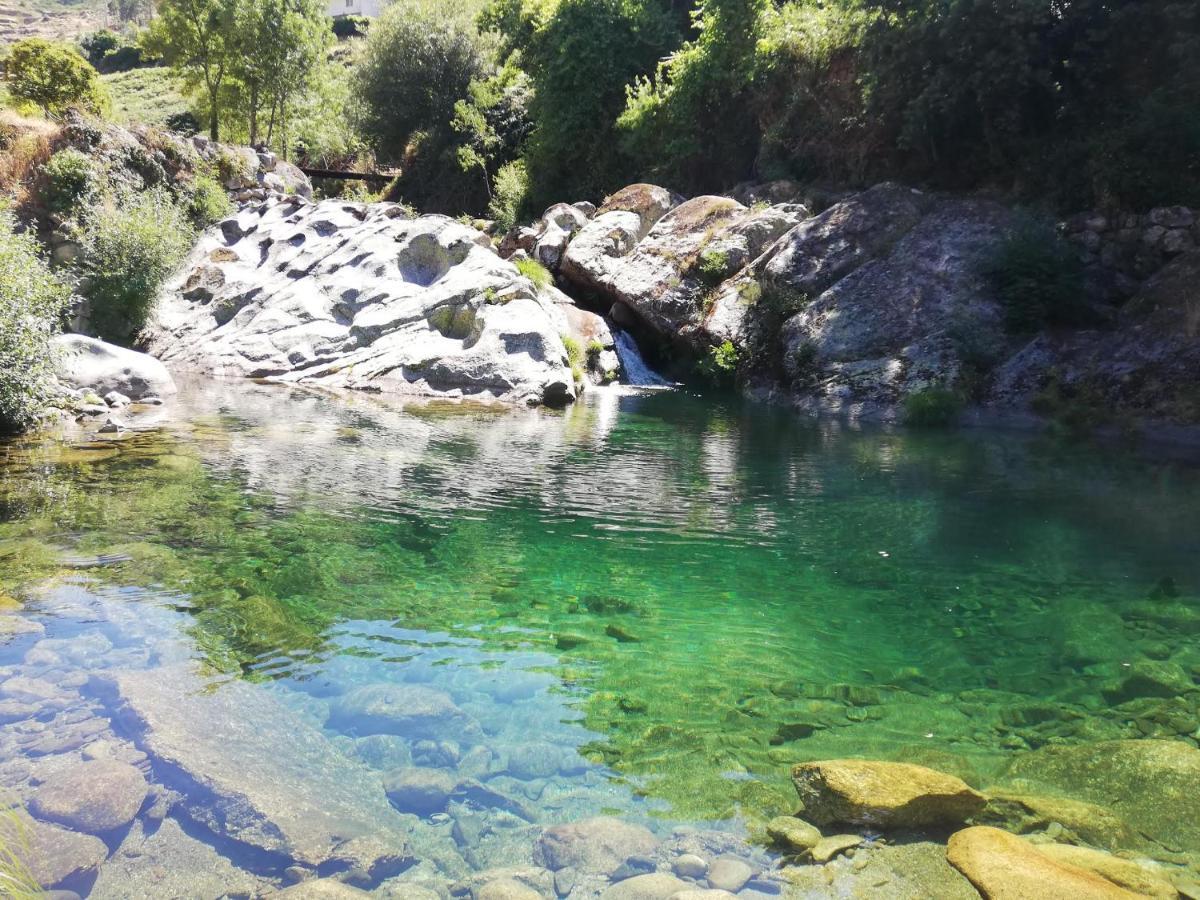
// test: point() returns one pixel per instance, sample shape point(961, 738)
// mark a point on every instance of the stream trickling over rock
point(287, 608)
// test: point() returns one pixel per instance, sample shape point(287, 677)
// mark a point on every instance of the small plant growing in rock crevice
point(535, 272)
point(721, 364)
point(70, 180)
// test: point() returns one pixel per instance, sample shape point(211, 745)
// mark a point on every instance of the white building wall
point(368, 8)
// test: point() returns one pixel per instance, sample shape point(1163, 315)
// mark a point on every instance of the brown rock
point(1122, 872)
point(793, 833)
point(1003, 866)
point(95, 797)
point(321, 889)
point(57, 857)
point(883, 794)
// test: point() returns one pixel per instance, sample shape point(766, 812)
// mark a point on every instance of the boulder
point(1149, 784)
point(1003, 866)
point(593, 845)
point(361, 296)
point(507, 889)
point(729, 873)
point(1023, 813)
point(668, 277)
point(880, 311)
point(597, 251)
point(412, 711)
point(251, 769)
point(95, 797)
point(882, 794)
point(87, 364)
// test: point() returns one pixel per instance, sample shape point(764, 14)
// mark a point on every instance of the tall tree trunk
point(254, 115)
point(271, 123)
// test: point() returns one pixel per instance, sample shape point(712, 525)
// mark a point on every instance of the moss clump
point(535, 272)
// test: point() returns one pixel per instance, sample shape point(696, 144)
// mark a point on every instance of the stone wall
point(1130, 247)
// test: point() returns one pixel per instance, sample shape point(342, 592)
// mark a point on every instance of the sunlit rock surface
point(361, 296)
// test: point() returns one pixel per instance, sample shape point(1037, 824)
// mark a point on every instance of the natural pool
point(645, 606)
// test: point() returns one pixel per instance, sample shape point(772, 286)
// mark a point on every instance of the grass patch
point(144, 96)
point(535, 272)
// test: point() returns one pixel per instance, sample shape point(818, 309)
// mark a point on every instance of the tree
point(54, 76)
point(280, 45)
point(418, 61)
point(197, 38)
point(493, 122)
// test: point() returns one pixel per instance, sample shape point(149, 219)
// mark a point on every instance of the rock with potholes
point(361, 296)
point(593, 845)
point(94, 797)
point(91, 365)
point(252, 770)
point(882, 794)
point(1003, 866)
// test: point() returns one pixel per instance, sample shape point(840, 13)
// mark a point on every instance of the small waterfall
point(633, 368)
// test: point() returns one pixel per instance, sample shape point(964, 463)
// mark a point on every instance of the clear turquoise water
point(683, 595)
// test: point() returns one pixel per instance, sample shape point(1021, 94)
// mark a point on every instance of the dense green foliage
point(1080, 103)
point(131, 244)
point(418, 62)
point(934, 407)
point(1038, 277)
point(53, 76)
point(32, 301)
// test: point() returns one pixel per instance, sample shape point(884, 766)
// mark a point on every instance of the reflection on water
point(646, 605)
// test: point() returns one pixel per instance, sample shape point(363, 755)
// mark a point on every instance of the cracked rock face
point(349, 295)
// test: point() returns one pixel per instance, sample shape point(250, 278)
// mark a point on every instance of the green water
point(715, 589)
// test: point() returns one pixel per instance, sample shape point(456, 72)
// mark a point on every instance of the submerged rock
point(1150, 784)
point(91, 365)
point(655, 886)
point(59, 858)
point(252, 770)
point(882, 794)
point(593, 845)
point(361, 296)
point(792, 833)
point(412, 711)
point(1122, 872)
point(420, 791)
point(321, 889)
point(95, 797)
point(1003, 866)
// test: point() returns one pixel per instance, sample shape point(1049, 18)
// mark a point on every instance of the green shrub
point(131, 245)
point(54, 76)
point(207, 201)
point(32, 301)
point(932, 408)
point(98, 44)
point(70, 178)
point(1038, 278)
point(721, 364)
point(508, 194)
point(535, 272)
